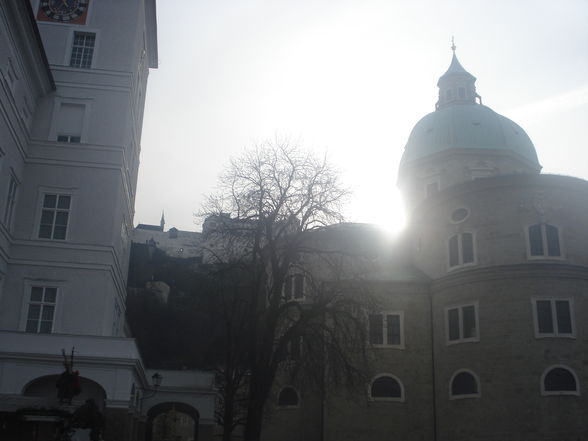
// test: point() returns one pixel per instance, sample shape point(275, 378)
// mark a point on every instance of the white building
point(73, 76)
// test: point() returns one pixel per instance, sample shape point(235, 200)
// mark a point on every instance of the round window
point(459, 215)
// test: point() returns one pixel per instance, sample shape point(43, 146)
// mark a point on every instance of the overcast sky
point(350, 78)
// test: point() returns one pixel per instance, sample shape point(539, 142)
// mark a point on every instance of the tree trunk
point(228, 416)
point(253, 423)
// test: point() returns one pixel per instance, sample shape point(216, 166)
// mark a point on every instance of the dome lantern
point(457, 85)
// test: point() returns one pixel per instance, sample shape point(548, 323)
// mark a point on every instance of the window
point(544, 241)
point(54, 216)
point(386, 387)
point(82, 50)
point(10, 201)
point(461, 324)
point(461, 249)
point(41, 309)
point(461, 92)
point(449, 94)
point(385, 329)
point(464, 384)
point(294, 349)
point(68, 138)
point(288, 397)
point(553, 318)
point(459, 215)
point(294, 287)
point(69, 122)
point(559, 380)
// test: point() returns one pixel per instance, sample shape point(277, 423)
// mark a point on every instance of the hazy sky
point(350, 78)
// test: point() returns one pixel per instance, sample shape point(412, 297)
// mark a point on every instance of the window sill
point(386, 400)
point(382, 346)
point(458, 267)
point(560, 393)
point(556, 258)
point(567, 336)
point(462, 340)
point(464, 397)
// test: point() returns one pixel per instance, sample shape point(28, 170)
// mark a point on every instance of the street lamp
point(156, 379)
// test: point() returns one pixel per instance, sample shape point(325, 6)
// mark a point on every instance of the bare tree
point(273, 204)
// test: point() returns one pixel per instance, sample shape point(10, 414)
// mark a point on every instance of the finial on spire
point(453, 47)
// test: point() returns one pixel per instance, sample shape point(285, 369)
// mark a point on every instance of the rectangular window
point(10, 201)
point(70, 122)
point(82, 50)
point(553, 318)
point(385, 329)
point(462, 323)
point(461, 249)
point(68, 138)
point(544, 241)
point(54, 216)
point(41, 309)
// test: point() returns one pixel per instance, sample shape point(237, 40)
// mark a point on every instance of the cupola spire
point(457, 85)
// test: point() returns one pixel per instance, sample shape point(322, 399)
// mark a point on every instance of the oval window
point(459, 215)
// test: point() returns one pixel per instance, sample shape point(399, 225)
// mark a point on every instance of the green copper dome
point(467, 126)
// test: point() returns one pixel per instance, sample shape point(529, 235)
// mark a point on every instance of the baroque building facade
point(73, 77)
point(484, 298)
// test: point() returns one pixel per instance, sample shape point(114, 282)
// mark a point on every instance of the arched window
point(461, 249)
point(386, 387)
point(464, 384)
point(288, 397)
point(544, 241)
point(559, 380)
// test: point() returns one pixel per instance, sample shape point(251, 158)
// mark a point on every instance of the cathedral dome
point(467, 126)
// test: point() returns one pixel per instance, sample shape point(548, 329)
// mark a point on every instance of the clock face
point(66, 11)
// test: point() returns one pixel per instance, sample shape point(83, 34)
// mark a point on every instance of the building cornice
point(535, 270)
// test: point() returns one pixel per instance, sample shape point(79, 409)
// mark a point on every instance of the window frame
point(26, 301)
point(41, 192)
point(385, 315)
point(54, 131)
point(461, 339)
point(400, 399)
point(290, 280)
point(465, 396)
point(460, 263)
point(555, 333)
point(70, 47)
point(465, 218)
point(546, 393)
point(544, 243)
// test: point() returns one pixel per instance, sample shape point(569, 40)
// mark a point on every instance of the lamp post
point(156, 379)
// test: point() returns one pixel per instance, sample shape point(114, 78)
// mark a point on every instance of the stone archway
point(170, 416)
point(45, 388)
